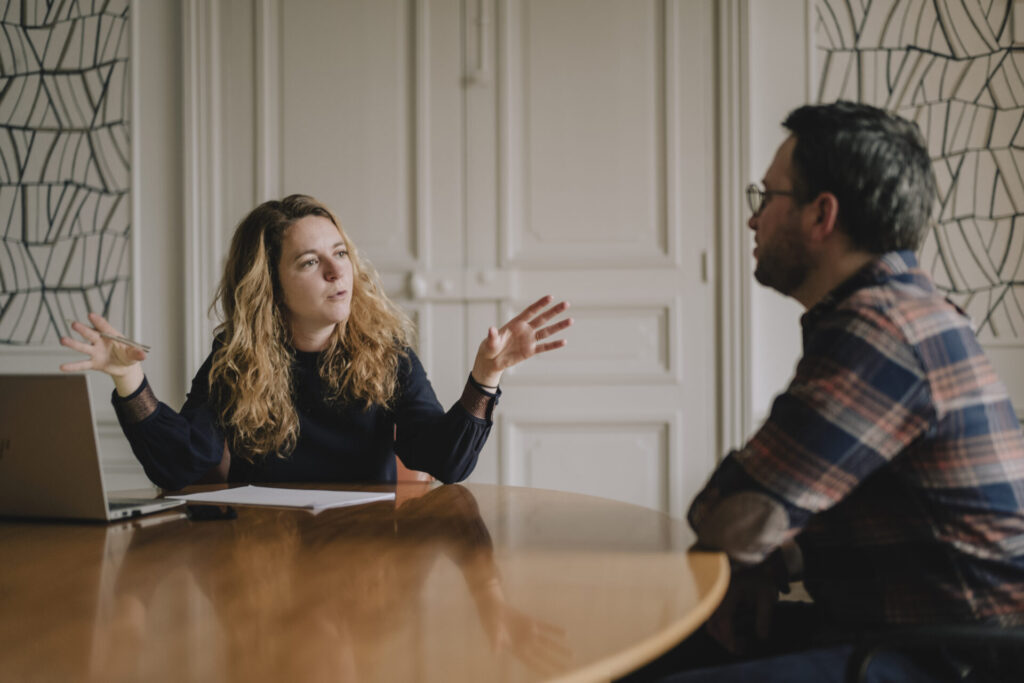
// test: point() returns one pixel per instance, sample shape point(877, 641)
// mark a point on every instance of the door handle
point(459, 284)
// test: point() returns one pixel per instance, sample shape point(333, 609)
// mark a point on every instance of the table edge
point(647, 650)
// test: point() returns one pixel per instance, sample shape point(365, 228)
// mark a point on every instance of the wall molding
point(811, 75)
point(136, 173)
point(666, 312)
point(734, 273)
point(420, 145)
point(514, 198)
point(202, 181)
point(513, 466)
point(673, 161)
point(267, 77)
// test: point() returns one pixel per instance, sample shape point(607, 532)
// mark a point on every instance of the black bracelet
point(476, 384)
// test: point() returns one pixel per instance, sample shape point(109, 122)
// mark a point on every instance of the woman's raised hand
point(120, 361)
point(519, 339)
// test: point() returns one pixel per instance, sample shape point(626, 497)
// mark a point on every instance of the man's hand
point(745, 615)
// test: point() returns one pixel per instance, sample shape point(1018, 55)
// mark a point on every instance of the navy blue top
point(337, 442)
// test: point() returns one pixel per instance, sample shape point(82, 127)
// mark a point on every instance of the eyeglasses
point(757, 198)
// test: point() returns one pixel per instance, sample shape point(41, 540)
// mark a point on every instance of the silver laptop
point(49, 453)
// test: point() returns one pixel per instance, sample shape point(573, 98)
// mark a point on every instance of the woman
point(311, 377)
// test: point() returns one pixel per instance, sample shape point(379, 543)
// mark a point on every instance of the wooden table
point(449, 583)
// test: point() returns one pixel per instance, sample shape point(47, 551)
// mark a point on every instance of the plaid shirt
point(896, 457)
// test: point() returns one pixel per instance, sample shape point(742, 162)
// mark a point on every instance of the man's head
point(875, 163)
point(849, 183)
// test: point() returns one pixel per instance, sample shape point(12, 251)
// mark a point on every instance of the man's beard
point(784, 264)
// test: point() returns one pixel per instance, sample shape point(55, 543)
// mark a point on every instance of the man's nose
point(752, 222)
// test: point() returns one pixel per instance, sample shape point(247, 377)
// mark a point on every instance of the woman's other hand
point(122, 362)
point(519, 339)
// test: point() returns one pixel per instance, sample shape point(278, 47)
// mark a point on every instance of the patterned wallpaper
point(951, 66)
point(65, 166)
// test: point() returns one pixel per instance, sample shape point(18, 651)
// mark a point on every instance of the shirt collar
point(895, 265)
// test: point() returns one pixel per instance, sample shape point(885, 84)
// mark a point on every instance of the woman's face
point(316, 280)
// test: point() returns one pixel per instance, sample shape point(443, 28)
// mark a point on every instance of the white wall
point(159, 270)
point(570, 162)
point(779, 82)
point(970, 139)
point(778, 76)
point(158, 195)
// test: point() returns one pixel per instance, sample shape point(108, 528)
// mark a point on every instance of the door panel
point(616, 458)
point(602, 112)
point(347, 119)
point(612, 343)
point(585, 116)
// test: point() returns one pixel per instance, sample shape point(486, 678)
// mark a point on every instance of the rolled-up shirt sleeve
point(859, 397)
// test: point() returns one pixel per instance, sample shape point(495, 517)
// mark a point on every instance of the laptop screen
point(49, 459)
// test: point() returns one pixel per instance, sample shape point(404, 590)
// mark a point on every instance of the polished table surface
point(448, 583)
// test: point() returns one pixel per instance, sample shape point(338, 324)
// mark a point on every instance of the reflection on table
point(447, 583)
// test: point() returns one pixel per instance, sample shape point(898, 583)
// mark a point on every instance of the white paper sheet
point(314, 500)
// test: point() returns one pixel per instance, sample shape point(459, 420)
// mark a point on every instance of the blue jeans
point(803, 647)
point(824, 665)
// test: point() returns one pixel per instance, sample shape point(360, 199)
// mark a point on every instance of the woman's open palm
point(519, 339)
point(105, 355)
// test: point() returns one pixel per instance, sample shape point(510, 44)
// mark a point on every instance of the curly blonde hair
point(251, 375)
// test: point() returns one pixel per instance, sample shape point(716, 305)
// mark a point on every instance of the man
point(889, 475)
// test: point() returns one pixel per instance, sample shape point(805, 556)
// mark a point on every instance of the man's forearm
point(748, 526)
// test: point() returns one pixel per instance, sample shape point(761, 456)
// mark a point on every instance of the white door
point(483, 153)
point(590, 178)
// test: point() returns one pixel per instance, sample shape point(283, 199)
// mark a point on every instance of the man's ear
point(822, 214)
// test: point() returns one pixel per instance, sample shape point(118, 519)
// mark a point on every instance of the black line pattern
point(65, 166)
point(951, 66)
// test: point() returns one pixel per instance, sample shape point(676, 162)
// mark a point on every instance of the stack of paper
point(314, 500)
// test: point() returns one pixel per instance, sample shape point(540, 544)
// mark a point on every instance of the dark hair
point(874, 162)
